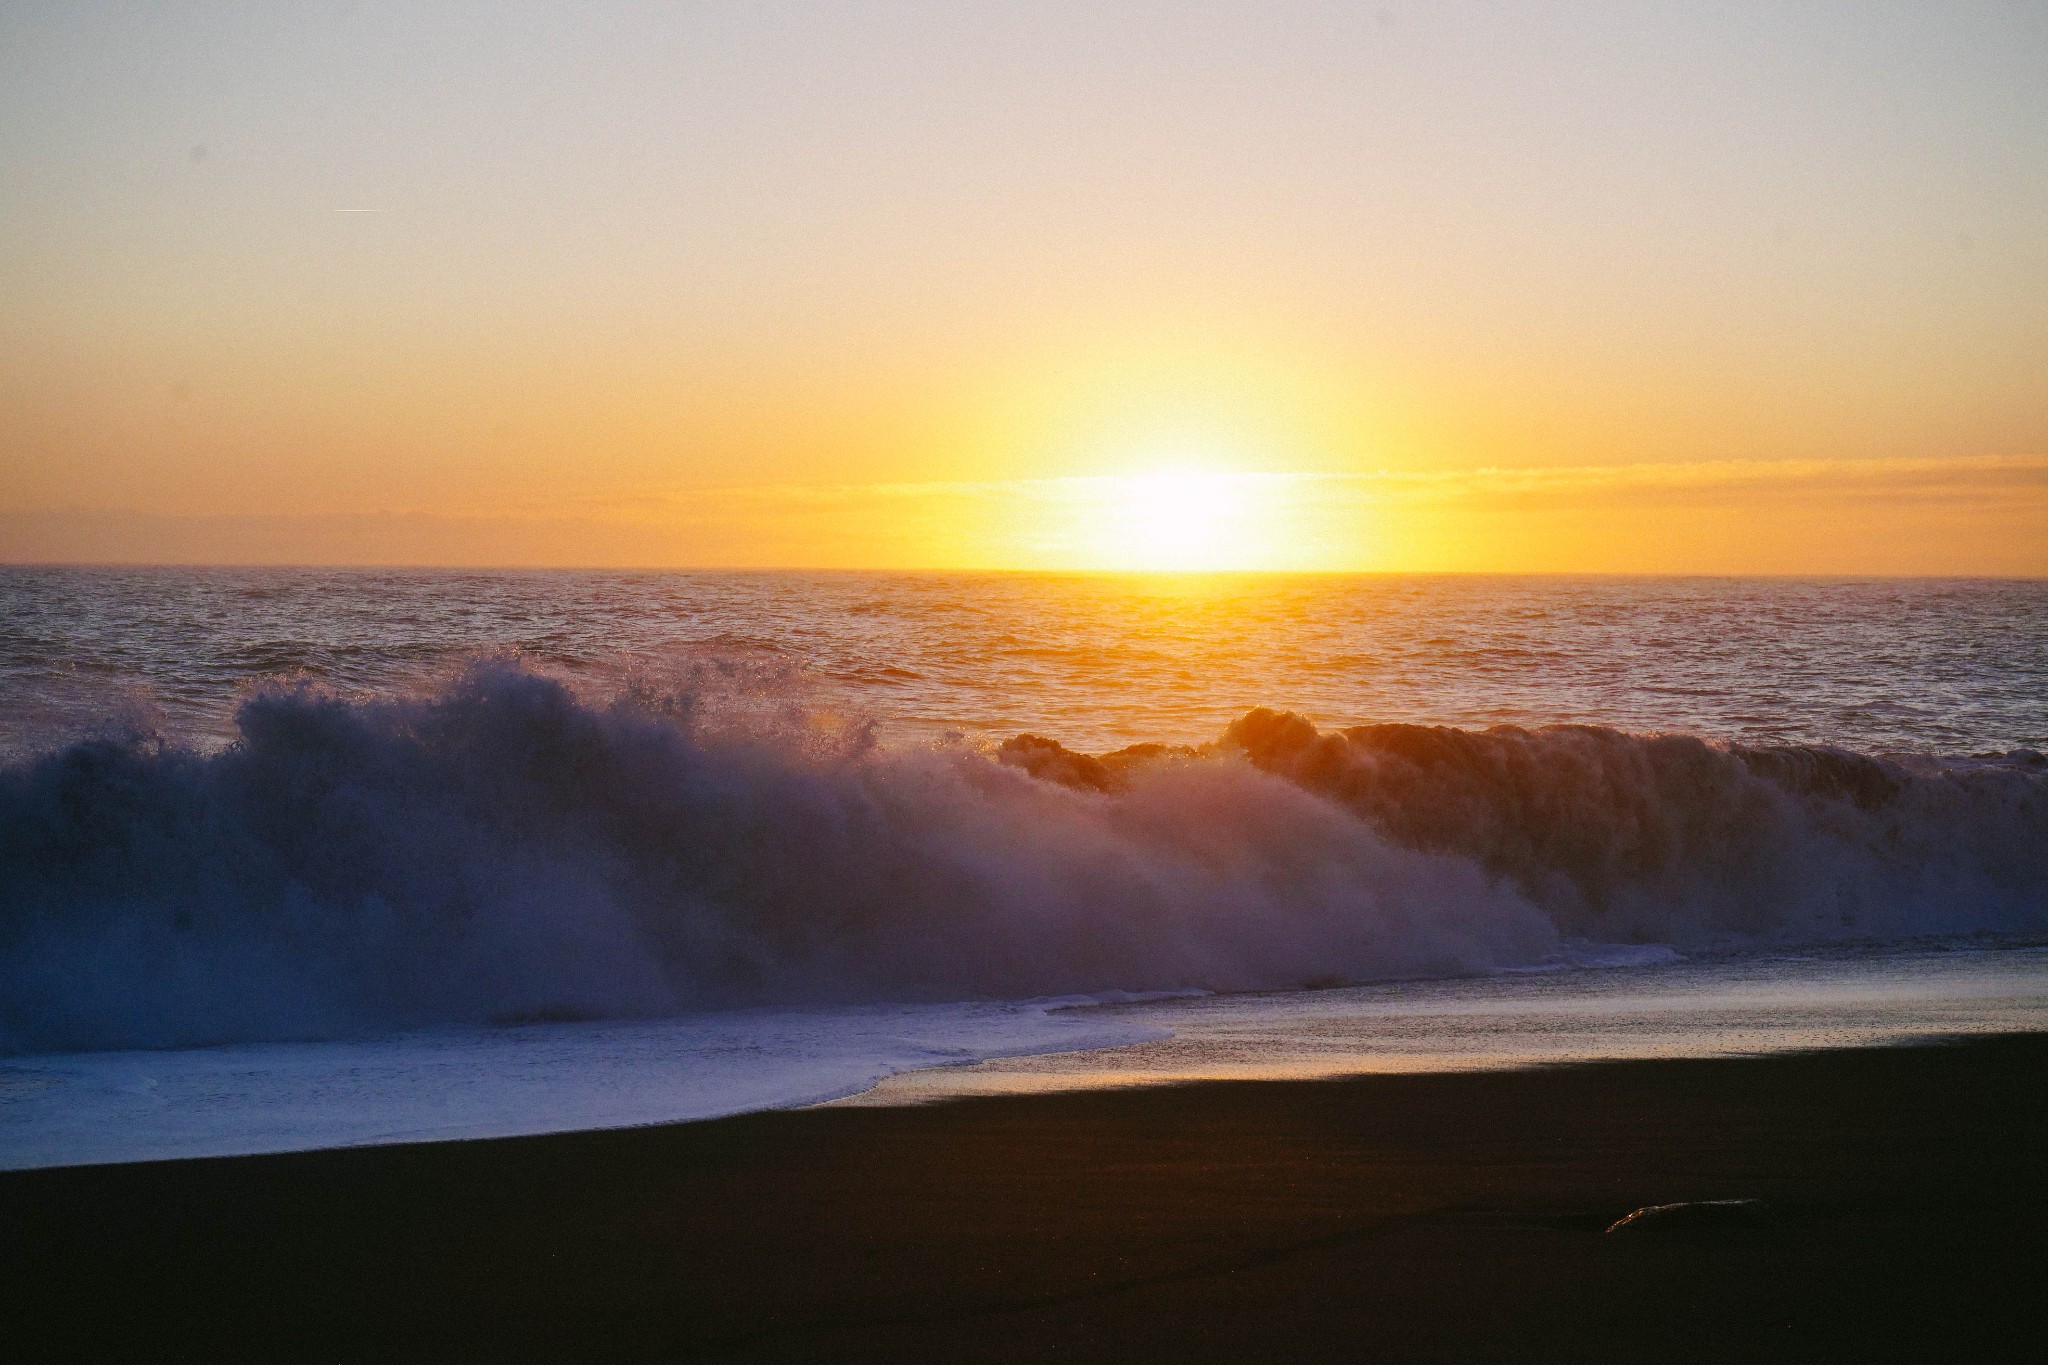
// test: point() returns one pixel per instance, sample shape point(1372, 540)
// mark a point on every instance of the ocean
point(302, 857)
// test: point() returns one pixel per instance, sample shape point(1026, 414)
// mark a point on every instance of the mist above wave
point(507, 846)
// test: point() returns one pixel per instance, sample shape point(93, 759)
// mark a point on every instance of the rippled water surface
point(1944, 666)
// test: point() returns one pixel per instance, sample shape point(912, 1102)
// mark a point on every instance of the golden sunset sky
point(1731, 287)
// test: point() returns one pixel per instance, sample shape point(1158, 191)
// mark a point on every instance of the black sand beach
point(1398, 1218)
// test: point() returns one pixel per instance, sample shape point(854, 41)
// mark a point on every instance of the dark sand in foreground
point(1447, 1217)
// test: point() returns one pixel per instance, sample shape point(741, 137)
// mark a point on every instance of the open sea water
point(299, 857)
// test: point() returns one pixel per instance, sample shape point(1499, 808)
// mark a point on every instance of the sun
point(1184, 519)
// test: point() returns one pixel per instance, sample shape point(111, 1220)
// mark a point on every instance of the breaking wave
point(509, 847)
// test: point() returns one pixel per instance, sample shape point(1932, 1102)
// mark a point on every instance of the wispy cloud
point(1730, 481)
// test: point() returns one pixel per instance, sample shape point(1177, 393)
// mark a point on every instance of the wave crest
point(1667, 838)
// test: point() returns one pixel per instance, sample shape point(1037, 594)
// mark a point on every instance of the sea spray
point(509, 847)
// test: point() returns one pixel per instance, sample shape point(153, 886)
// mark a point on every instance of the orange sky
point(1458, 286)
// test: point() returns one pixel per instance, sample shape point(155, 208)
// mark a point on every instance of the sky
point(1648, 287)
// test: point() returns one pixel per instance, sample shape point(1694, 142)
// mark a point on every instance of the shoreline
point(1443, 1216)
point(463, 1084)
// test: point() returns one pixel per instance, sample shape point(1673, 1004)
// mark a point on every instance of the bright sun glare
point(1184, 520)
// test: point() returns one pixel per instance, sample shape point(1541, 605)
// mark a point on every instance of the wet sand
point(1400, 1218)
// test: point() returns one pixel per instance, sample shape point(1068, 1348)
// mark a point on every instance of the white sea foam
point(89, 1108)
point(470, 1083)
